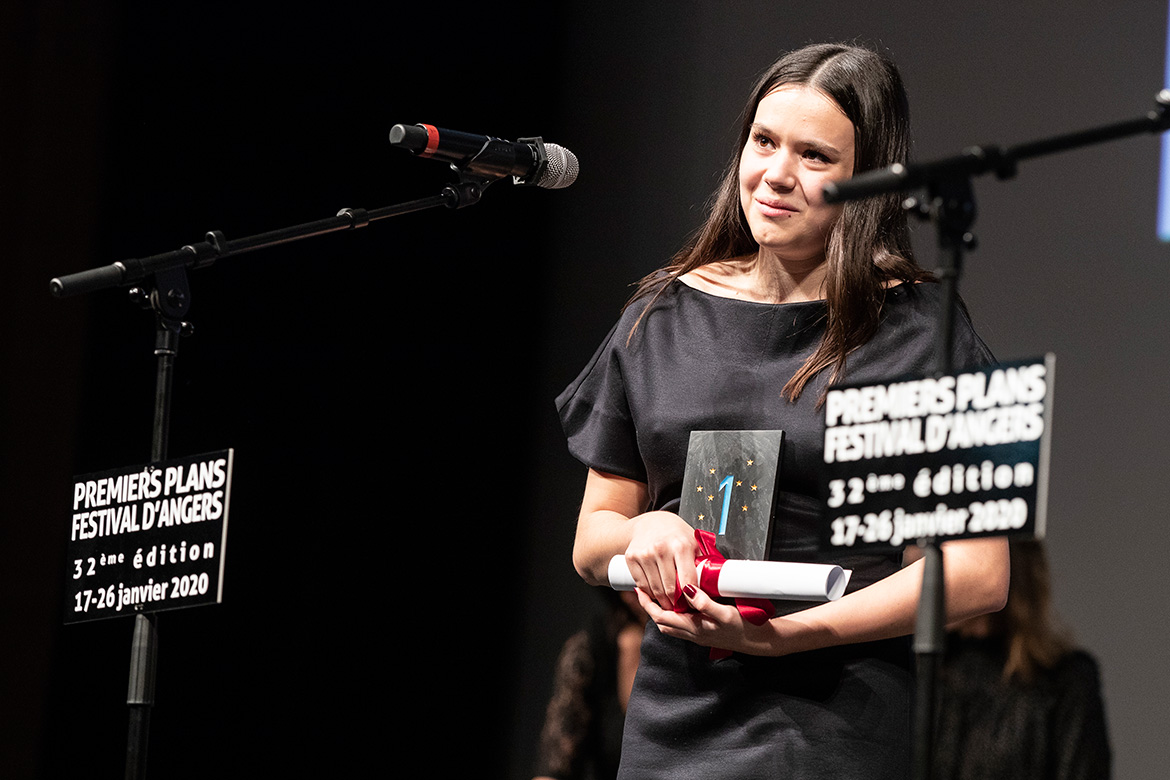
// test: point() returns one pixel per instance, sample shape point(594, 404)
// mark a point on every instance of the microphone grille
point(560, 170)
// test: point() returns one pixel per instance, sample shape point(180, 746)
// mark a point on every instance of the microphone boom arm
point(977, 160)
point(468, 190)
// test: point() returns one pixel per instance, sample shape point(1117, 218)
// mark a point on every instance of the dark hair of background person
point(581, 737)
point(1033, 638)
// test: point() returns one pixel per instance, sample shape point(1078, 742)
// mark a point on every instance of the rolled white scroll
point(760, 579)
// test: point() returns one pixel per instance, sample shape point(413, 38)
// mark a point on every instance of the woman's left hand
point(712, 624)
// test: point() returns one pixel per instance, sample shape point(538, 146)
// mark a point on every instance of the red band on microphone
point(432, 141)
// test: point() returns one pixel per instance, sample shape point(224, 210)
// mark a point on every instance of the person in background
point(1017, 699)
point(582, 734)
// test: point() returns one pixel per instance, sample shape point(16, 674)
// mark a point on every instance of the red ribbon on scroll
point(709, 562)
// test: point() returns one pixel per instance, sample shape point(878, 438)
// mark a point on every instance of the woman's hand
point(659, 547)
point(661, 557)
point(713, 624)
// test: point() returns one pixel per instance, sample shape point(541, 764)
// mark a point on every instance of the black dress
point(703, 362)
point(989, 728)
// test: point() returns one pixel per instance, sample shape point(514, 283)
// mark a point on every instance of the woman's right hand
point(659, 546)
point(661, 556)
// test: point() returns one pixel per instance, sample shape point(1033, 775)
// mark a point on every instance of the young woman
point(778, 295)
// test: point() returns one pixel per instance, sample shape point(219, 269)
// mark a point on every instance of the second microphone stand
point(950, 205)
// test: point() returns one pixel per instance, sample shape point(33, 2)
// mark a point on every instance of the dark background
point(403, 505)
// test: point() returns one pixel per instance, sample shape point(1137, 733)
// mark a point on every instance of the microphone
point(529, 161)
point(864, 185)
point(902, 177)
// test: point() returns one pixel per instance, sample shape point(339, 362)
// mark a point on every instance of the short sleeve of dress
point(595, 414)
point(968, 349)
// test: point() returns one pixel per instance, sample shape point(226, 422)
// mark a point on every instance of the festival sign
point(941, 457)
point(148, 538)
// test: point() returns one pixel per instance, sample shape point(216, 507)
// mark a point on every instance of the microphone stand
point(170, 308)
point(950, 205)
point(162, 286)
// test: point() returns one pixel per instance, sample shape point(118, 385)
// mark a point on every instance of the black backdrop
point(398, 556)
point(372, 383)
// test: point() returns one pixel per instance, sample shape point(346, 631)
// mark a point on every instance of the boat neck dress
point(698, 361)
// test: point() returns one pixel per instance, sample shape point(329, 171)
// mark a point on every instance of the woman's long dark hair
point(869, 246)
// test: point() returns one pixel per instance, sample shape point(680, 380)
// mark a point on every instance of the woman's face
point(799, 140)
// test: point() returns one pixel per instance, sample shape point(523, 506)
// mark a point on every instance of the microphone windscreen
point(561, 169)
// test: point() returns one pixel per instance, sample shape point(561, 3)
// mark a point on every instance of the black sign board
point(729, 487)
point(948, 457)
point(148, 538)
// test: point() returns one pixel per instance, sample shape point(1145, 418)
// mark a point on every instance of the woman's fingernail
point(690, 590)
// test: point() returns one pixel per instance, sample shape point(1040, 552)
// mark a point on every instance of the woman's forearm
point(976, 582)
point(659, 546)
point(600, 536)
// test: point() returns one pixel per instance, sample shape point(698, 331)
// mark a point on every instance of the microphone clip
point(478, 172)
point(467, 191)
point(496, 159)
point(537, 144)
